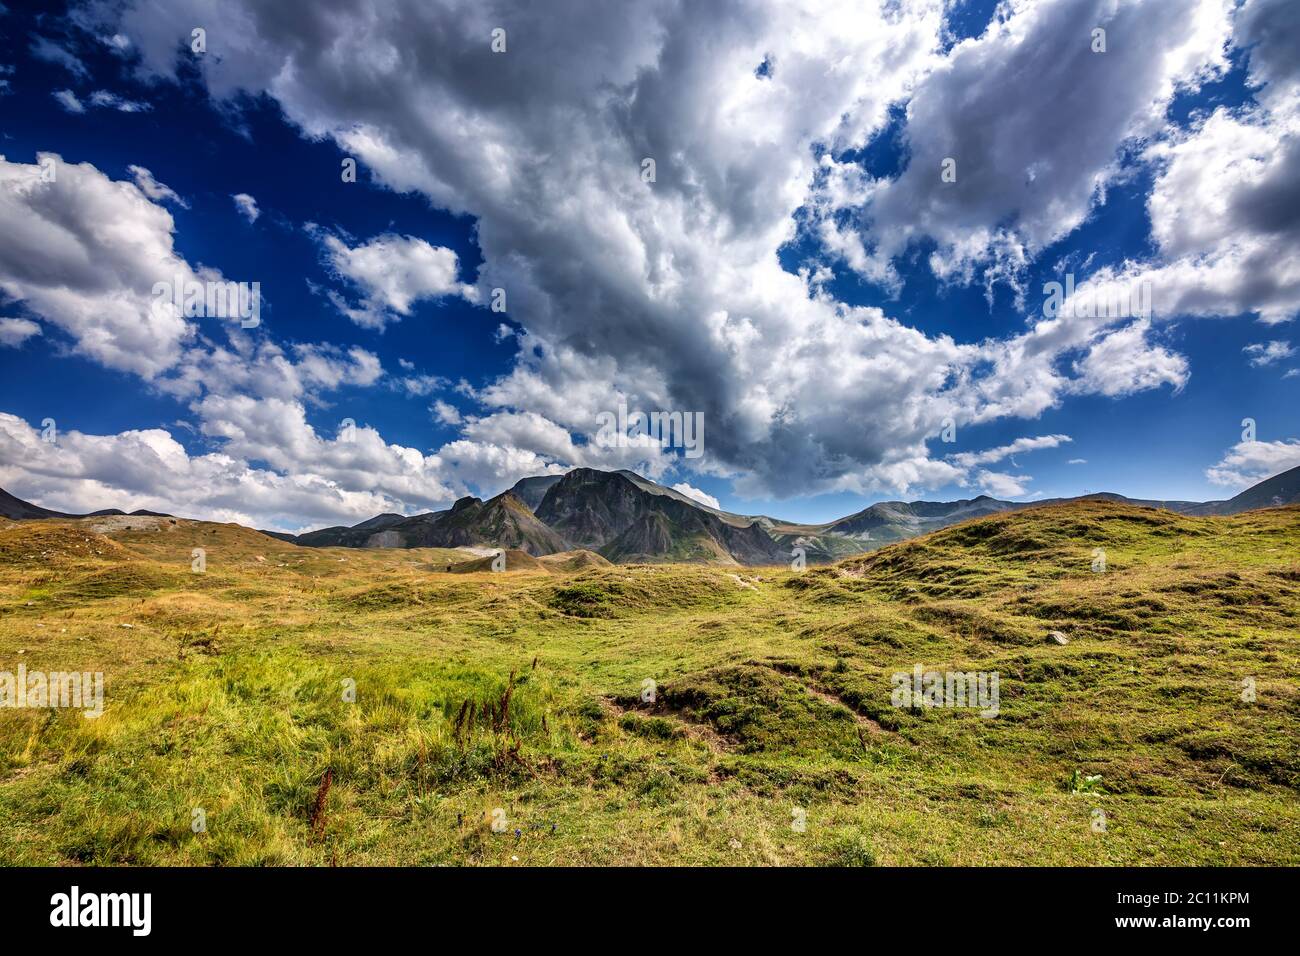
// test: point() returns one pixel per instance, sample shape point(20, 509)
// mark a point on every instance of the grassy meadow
point(517, 697)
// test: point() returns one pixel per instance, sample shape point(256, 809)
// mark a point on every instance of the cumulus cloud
point(1225, 205)
point(1001, 485)
point(1032, 119)
point(14, 332)
point(670, 295)
point(1250, 462)
point(392, 273)
point(1125, 361)
point(446, 413)
point(84, 253)
point(149, 469)
point(1225, 212)
point(271, 467)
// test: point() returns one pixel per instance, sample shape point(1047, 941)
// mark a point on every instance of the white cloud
point(1034, 120)
point(1001, 485)
point(1225, 206)
point(1223, 214)
point(1123, 362)
point(421, 385)
point(671, 295)
point(446, 413)
point(1020, 445)
point(393, 273)
point(68, 100)
point(100, 98)
point(695, 494)
point(1250, 462)
point(1268, 353)
point(14, 332)
point(83, 252)
point(156, 191)
point(110, 100)
point(247, 206)
point(1077, 461)
point(117, 43)
point(149, 469)
point(45, 49)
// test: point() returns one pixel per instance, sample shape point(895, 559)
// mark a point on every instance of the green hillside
point(1135, 742)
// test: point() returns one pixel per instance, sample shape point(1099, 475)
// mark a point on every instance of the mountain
point(1283, 489)
point(504, 521)
point(531, 491)
point(625, 518)
point(379, 522)
point(19, 510)
point(881, 524)
point(368, 534)
point(890, 521)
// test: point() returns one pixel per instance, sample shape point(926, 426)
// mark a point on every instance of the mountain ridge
point(626, 518)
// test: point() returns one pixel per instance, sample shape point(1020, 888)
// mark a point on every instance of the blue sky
point(801, 279)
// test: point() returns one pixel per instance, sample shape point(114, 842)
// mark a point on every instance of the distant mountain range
point(18, 510)
point(628, 519)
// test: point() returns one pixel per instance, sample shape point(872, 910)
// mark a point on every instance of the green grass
point(772, 695)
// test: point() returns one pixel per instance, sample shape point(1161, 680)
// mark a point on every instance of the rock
point(1056, 637)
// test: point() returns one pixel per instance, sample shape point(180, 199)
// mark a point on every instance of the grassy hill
point(524, 692)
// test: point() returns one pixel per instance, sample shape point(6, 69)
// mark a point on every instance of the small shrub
point(848, 849)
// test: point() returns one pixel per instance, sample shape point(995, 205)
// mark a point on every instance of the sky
point(828, 231)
